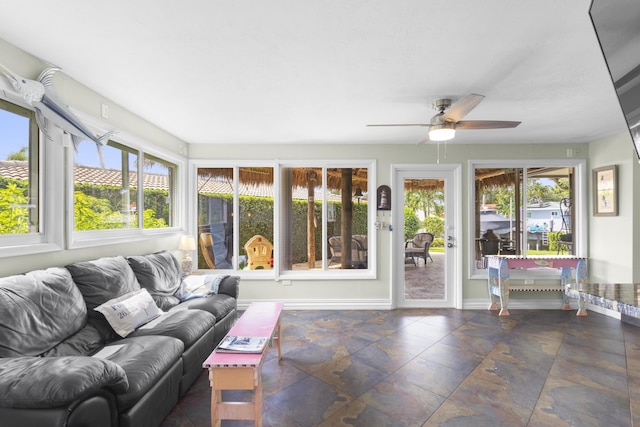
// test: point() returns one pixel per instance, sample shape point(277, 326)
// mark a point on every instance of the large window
point(106, 192)
point(325, 218)
point(318, 207)
point(527, 210)
point(19, 172)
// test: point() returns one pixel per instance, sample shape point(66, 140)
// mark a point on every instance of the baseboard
point(519, 304)
point(537, 304)
point(328, 304)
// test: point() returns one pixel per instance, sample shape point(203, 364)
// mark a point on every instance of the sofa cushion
point(144, 360)
point(85, 342)
point(160, 274)
point(103, 279)
point(219, 305)
point(129, 311)
point(186, 325)
point(49, 382)
point(45, 308)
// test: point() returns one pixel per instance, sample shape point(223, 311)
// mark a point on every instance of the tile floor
point(443, 367)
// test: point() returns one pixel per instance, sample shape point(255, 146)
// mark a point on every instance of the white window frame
point(278, 273)
point(83, 239)
point(580, 219)
point(49, 237)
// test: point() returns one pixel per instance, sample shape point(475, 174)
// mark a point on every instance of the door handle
point(449, 245)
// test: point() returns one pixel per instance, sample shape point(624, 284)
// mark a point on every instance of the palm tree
point(23, 154)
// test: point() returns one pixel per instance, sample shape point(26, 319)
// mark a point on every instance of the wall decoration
point(605, 197)
point(384, 198)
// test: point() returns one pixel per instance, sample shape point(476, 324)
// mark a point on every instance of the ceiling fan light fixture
point(442, 132)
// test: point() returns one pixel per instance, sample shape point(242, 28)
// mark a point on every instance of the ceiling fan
point(444, 124)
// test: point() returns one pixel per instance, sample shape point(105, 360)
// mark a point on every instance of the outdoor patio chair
point(418, 247)
point(259, 253)
point(358, 250)
point(206, 247)
point(565, 242)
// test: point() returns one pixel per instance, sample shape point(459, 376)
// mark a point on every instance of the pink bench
point(243, 371)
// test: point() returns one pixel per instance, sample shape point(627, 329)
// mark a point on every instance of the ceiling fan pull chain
point(438, 161)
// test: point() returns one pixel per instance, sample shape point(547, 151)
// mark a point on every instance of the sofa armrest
point(49, 382)
point(230, 286)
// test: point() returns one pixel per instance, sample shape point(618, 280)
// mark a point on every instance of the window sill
point(21, 250)
point(90, 239)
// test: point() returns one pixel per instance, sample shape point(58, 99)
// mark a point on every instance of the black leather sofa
point(62, 362)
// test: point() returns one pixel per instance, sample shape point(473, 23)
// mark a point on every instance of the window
point(19, 172)
point(527, 209)
point(321, 206)
point(216, 192)
point(158, 184)
point(105, 198)
point(316, 205)
point(106, 195)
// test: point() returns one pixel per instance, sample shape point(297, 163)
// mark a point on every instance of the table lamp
point(187, 244)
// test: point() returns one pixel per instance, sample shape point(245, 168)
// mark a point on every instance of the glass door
point(425, 238)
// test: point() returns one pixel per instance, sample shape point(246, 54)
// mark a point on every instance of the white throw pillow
point(129, 311)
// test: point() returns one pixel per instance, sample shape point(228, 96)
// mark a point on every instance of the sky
point(13, 129)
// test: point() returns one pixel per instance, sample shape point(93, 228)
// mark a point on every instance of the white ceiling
point(319, 71)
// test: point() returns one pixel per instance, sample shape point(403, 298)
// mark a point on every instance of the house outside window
point(527, 209)
point(282, 218)
point(106, 196)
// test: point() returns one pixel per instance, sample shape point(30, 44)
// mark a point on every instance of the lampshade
point(442, 132)
point(187, 243)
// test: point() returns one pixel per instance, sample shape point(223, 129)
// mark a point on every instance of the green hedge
point(261, 221)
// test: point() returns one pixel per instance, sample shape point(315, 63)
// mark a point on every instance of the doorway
point(426, 228)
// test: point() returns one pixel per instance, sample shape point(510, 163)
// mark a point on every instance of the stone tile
point(583, 356)
point(276, 375)
point(595, 342)
point(635, 412)
point(593, 376)
point(350, 375)
point(444, 367)
point(308, 402)
point(402, 401)
point(534, 352)
point(436, 378)
point(385, 357)
point(312, 357)
point(480, 403)
point(580, 404)
point(521, 386)
point(473, 338)
point(461, 361)
point(357, 414)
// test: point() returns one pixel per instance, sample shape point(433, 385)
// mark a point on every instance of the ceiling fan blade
point(485, 124)
point(424, 140)
point(412, 124)
point(462, 107)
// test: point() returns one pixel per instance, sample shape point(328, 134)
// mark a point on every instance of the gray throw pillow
point(160, 274)
point(103, 279)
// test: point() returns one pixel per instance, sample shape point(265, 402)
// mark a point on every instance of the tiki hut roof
point(300, 176)
point(488, 177)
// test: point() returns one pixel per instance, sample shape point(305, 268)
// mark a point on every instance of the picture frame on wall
point(605, 191)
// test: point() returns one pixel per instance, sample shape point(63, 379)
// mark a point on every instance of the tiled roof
point(16, 169)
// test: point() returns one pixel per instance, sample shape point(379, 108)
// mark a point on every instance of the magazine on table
point(238, 344)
